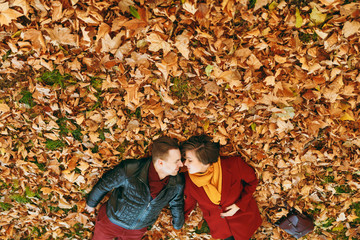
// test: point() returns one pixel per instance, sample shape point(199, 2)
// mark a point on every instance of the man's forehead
point(174, 153)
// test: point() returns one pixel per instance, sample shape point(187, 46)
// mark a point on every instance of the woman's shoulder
point(230, 159)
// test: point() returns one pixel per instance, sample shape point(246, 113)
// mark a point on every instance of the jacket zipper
point(144, 210)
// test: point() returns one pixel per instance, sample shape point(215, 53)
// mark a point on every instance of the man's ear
point(161, 162)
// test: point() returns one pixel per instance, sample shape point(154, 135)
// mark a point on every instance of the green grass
point(95, 149)
point(307, 37)
point(37, 232)
point(3, 185)
point(6, 56)
point(343, 189)
point(98, 102)
point(29, 193)
point(5, 206)
point(41, 166)
point(55, 78)
point(356, 207)
point(298, 3)
point(136, 113)
point(204, 228)
point(327, 223)
point(180, 87)
point(251, 4)
point(102, 133)
point(67, 126)
point(122, 147)
point(65, 210)
point(54, 144)
point(76, 231)
point(96, 83)
point(19, 198)
point(328, 179)
point(27, 98)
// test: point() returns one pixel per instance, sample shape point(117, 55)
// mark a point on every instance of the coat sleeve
point(110, 180)
point(190, 201)
point(250, 182)
point(177, 207)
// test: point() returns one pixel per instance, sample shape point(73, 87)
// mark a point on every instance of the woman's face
point(193, 164)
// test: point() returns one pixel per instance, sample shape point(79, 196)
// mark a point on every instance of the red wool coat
point(238, 185)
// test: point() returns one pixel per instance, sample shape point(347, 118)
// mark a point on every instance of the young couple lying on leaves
point(222, 186)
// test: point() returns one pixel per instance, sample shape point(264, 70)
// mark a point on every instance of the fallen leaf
point(350, 28)
point(347, 117)
point(4, 108)
point(7, 15)
point(317, 17)
point(299, 19)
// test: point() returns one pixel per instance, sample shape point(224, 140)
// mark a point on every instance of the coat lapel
point(226, 181)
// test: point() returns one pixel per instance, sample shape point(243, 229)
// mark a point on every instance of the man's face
point(172, 163)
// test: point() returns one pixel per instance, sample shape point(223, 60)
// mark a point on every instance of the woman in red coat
point(223, 188)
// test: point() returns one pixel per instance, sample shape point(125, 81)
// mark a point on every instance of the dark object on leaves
point(296, 224)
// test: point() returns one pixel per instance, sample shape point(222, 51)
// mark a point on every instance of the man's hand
point(89, 209)
point(230, 211)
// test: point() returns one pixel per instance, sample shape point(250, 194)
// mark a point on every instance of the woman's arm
point(190, 202)
point(250, 182)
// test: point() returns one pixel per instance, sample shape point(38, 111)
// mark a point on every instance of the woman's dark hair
point(161, 147)
point(205, 149)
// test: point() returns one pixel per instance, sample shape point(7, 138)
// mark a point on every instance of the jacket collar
point(144, 173)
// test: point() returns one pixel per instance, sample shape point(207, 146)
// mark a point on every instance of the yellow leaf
point(206, 125)
point(347, 117)
point(299, 19)
point(317, 17)
point(273, 5)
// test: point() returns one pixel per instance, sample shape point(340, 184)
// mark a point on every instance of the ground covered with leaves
point(85, 84)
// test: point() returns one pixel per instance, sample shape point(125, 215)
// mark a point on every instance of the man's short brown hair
point(161, 147)
point(205, 149)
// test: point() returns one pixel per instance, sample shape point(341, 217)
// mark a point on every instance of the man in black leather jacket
point(141, 188)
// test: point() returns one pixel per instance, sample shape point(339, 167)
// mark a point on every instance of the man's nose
point(181, 164)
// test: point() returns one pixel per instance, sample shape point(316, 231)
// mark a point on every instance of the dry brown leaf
point(350, 28)
point(61, 35)
point(7, 15)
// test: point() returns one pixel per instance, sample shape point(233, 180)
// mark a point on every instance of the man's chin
point(175, 173)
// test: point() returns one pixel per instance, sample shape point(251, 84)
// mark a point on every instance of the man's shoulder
point(132, 165)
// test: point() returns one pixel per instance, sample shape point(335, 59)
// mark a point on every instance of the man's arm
point(177, 208)
point(110, 180)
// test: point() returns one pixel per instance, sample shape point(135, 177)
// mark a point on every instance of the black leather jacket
point(130, 204)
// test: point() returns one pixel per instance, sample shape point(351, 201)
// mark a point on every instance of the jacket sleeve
point(110, 180)
point(250, 182)
point(190, 202)
point(177, 207)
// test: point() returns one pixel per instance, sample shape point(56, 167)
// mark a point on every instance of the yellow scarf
point(211, 181)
